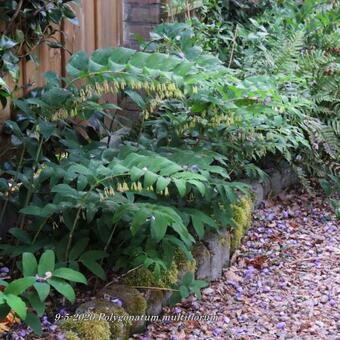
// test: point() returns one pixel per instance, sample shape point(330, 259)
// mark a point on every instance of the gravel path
point(284, 282)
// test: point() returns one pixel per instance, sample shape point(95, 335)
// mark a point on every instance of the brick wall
point(140, 16)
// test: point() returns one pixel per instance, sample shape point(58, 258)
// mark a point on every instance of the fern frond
point(286, 55)
point(300, 173)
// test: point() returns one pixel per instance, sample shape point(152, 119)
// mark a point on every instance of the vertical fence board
point(100, 25)
point(49, 60)
point(108, 23)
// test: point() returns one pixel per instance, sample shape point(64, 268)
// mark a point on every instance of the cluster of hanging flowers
point(63, 114)
point(163, 90)
point(226, 119)
point(109, 192)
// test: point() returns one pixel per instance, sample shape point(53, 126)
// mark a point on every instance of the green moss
point(69, 335)
point(146, 278)
point(242, 217)
point(93, 329)
point(225, 239)
point(200, 249)
point(133, 301)
point(183, 263)
point(119, 328)
point(155, 300)
point(171, 276)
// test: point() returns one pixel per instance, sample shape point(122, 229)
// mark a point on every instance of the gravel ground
point(283, 283)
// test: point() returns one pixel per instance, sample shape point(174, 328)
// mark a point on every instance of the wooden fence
point(100, 26)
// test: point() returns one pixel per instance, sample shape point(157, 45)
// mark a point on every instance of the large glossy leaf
point(29, 264)
point(43, 290)
point(18, 286)
point(17, 304)
point(70, 275)
point(46, 262)
point(63, 288)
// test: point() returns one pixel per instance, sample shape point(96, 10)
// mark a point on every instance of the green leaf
point(63, 288)
point(181, 186)
point(198, 226)
point(184, 291)
point(36, 303)
point(32, 210)
point(188, 279)
point(47, 211)
point(139, 219)
point(47, 129)
point(56, 96)
point(70, 275)
point(199, 220)
point(94, 255)
point(4, 187)
point(4, 309)
point(6, 43)
point(46, 262)
point(80, 169)
point(29, 264)
point(162, 183)
point(159, 224)
point(150, 178)
point(199, 185)
point(136, 173)
point(43, 290)
point(82, 182)
point(3, 283)
point(196, 287)
point(65, 190)
point(78, 64)
point(33, 322)
point(21, 235)
point(136, 98)
point(4, 86)
point(94, 268)
point(91, 210)
point(78, 248)
point(18, 286)
point(17, 304)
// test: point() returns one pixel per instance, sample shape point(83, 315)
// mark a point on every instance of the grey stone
point(202, 257)
point(226, 248)
point(219, 249)
point(266, 184)
point(214, 246)
point(276, 182)
point(155, 300)
point(257, 189)
point(289, 177)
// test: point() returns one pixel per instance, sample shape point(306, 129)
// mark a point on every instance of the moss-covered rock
point(155, 300)
point(203, 259)
point(144, 277)
point(133, 302)
point(93, 328)
point(69, 335)
point(119, 328)
point(184, 264)
point(242, 217)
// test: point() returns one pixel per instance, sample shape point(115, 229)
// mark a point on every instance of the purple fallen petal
point(281, 325)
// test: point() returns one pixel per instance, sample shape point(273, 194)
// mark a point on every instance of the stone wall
point(211, 255)
point(140, 17)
